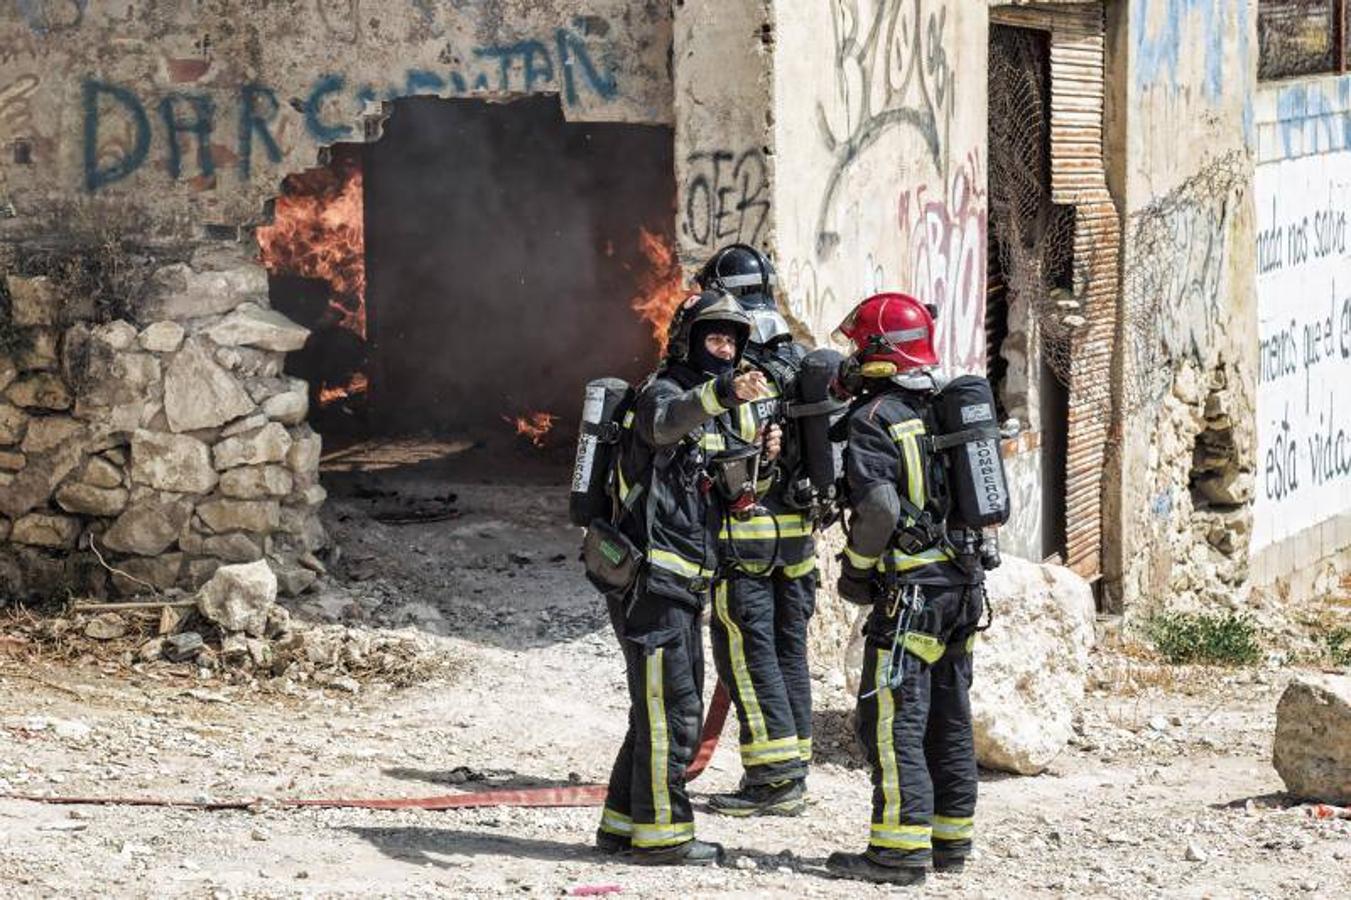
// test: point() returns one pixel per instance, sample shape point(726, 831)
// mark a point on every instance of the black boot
point(782, 798)
point(611, 844)
point(950, 864)
point(690, 853)
point(862, 867)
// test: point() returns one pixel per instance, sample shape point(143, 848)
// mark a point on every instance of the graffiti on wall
point(891, 73)
point(193, 130)
point(726, 198)
point(16, 108)
point(943, 236)
point(1162, 28)
point(1174, 287)
point(1304, 348)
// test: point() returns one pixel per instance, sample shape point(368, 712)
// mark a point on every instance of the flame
point(533, 425)
point(330, 394)
point(318, 231)
point(661, 289)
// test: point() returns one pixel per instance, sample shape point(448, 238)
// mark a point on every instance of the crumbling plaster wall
point(1302, 527)
point(146, 423)
point(194, 112)
point(1186, 449)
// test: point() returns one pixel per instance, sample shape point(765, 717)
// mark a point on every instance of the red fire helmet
point(892, 328)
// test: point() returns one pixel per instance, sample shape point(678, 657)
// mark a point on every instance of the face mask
point(704, 361)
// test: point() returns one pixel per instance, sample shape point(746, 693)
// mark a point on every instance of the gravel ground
point(1167, 791)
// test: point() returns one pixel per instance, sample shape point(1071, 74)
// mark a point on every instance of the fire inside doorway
point(465, 275)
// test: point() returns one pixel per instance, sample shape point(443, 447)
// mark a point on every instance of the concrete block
point(1269, 148)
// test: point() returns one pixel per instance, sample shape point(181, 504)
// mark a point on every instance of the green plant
point(1338, 643)
point(1230, 639)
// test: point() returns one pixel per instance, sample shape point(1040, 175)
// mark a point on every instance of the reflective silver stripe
point(907, 334)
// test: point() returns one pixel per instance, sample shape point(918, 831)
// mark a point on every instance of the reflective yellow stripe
point(971, 643)
point(949, 828)
point(900, 837)
point(708, 398)
point(925, 646)
point(914, 471)
point(628, 419)
point(765, 752)
point(656, 721)
point(797, 570)
point(804, 749)
point(713, 442)
point(896, 561)
point(672, 562)
point(665, 835)
point(746, 425)
point(615, 823)
point(736, 651)
point(858, 560)
point(886, 748)
point(790, 525)
point(908, 428)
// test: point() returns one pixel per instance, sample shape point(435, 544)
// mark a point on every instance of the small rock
point(71, 730)
point(1195, 853)
point(1175, 720)
point(745, 863)
point(182, 647)
point(162, 337)
point(106, 627)
point(239, 597)
point(258, 834)
point(151, 650)
point(1159, 723)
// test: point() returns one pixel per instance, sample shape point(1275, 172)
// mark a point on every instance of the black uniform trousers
point(647, 801)
point(759, 639)
point(918, 737)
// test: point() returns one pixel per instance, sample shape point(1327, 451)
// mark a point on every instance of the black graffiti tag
point(726, 197)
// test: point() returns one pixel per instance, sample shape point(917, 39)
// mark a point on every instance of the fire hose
point(572, 795)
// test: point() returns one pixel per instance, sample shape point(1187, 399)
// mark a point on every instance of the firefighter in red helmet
point(924, 586)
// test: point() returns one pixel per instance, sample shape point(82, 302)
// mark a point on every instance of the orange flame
point(661, 289)
point(318, 231)
point(331, 394)
point(533, 425)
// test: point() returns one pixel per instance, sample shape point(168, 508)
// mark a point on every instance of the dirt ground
point(1167, 791)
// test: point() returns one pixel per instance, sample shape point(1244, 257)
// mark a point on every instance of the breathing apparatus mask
point(734, 473)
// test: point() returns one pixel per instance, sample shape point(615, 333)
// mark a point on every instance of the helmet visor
point(767, 326)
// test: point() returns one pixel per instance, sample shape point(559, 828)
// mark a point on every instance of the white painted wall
point(1303, 253)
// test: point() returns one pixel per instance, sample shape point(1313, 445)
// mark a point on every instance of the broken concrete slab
point(179, 292)
point(33, 301)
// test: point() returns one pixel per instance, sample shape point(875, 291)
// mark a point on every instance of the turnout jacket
point(888, 457)
point(783, 535)
point(679, 420)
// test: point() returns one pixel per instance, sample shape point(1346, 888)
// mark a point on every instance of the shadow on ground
point(431, 846)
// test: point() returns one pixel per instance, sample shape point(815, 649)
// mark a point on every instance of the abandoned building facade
point(220, 224)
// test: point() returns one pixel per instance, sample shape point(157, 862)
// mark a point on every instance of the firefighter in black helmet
point(680, 424)
point(765, 593)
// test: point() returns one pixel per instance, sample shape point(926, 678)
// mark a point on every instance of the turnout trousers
point(664, 658)
point(759, 639)
point(917, 737)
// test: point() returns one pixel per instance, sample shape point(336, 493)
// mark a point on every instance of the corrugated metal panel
point(1079, 178)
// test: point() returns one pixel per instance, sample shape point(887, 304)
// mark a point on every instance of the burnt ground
point(1167, 791)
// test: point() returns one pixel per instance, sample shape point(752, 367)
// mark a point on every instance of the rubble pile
point(234, 626)
point(167, 446)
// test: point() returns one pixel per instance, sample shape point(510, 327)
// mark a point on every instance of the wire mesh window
point(1301, 37)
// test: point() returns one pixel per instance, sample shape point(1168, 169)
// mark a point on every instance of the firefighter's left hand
point(773, 443)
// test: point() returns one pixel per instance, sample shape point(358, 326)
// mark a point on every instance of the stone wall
point(166, 442)
point(1185, 444)
point(193, 113)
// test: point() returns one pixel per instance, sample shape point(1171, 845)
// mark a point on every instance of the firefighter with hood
point(680, 426)
point(924, 583)
point(765, 592)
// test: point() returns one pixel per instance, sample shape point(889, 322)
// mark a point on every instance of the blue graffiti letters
point(96, 173)
point(202, 112)
point(322, 131)
point(258, 107)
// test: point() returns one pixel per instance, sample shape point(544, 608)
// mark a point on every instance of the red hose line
point(571, 796)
